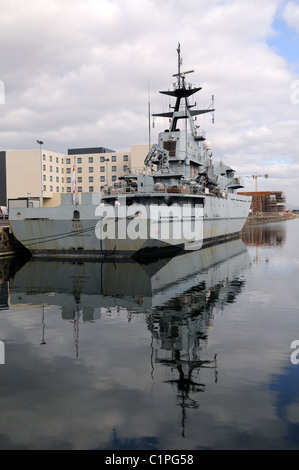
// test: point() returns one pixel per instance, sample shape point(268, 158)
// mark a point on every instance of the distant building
point(267, 201)
point(44, 174)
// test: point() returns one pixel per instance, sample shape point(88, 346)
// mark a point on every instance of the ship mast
point(179, 64)
point(180, 92)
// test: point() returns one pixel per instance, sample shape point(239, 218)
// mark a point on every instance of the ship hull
point(53, 232)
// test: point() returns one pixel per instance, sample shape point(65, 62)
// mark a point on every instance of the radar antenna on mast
point(179, 63)
point(181, 74)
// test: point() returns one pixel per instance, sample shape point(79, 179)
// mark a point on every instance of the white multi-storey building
point(43, 174)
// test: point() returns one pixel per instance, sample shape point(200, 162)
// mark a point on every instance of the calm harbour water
point(181, 354)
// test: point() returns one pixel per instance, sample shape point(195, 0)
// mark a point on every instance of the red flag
point(74, 185)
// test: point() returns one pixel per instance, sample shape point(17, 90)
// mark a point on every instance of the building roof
point(89, 150)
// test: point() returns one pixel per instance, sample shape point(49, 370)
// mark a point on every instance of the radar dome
point(207, 145)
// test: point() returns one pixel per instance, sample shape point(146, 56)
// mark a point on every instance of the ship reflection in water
point(156, 349)
point(127, 284)
point(177, 296)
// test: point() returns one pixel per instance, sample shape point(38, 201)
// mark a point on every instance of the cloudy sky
point(81, 73)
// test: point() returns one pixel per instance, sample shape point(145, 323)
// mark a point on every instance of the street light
point(40, 142)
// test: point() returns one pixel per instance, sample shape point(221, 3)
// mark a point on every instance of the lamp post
point(40, 142)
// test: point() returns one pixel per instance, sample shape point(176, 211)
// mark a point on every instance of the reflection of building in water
point(3, 295)
point(264, 234)
point(8, 267)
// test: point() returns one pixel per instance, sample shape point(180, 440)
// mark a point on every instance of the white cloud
point(291, 15)
point(77, 74)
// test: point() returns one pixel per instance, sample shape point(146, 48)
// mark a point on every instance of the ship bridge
point(183, 147)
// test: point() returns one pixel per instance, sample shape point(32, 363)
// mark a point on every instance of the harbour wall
point(266, 219)
point(9, 246)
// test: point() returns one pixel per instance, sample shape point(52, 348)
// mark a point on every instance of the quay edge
point(266, 219)
point(9, 245)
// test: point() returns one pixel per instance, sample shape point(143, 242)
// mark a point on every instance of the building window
point(62, 160)
point(114, 168)
point(90, 179)
point(79, 189)
point(44, 177)
point(102, 179)
point(51, 169)
point(114, 178)
point(50, 158)
point(62, 190)
point(57, 189)
point(126, 158)
point(57, 160)
point(51, 179)
point(45, 188)
point(79, 179)
point(102, 169)
point(114, 158)
point(90, 169)
point(79, 160)
point(44, 157)
point(69, 189)
point(57, 169)
point(68, 180)
point(80, 169)
point(102, 159)
point(57, 179)
point(51, 188)
point(62, 180)
point(68, 170)
point(91, 189)
point(44, 167)
point(90, 159)
point(68, 161)
point(125, 167)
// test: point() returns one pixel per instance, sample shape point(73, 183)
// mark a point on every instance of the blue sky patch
point(286, 41)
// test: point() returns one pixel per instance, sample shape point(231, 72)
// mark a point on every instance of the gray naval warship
point(181, 200)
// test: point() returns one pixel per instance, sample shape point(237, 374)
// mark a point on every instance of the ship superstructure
point(180, 200)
